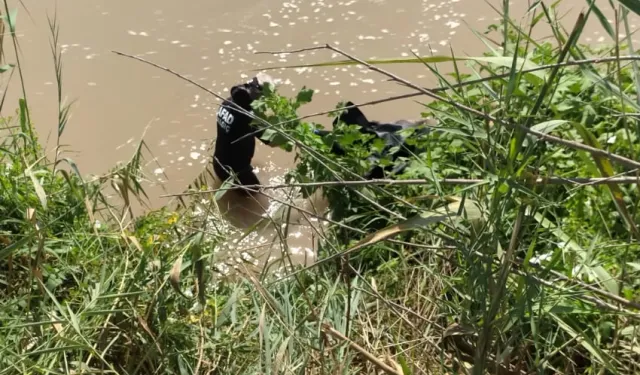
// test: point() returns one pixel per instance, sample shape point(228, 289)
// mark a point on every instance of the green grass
point(507, 273)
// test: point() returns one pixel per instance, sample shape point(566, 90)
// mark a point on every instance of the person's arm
point(259, 131)
point(243, 96)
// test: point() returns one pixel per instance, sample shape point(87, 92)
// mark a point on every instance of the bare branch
point(168, 70)
point(549, 138)
point(445, 181)
point(288, 52)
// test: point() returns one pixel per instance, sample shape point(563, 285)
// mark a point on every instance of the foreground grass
point(504, 273)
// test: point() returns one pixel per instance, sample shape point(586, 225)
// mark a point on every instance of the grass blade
point(602, 18)
point(632, 5)
point(42, 196)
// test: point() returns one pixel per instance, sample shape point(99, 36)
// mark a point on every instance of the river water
point(213, 42)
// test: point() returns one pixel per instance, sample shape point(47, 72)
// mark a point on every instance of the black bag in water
point(388, 132)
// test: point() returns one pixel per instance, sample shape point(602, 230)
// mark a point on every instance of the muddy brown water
point(213, 42)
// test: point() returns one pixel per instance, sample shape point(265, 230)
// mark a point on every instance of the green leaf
point(635, 266)
point(591, 75)
point(304, 96)
point(6, 67)
point(73, 319)
point(224, 188)
point(23, 116)
point(548, 126)
point(469, 131)
point(11, 19)
point(406, 370)
point(268, 89)
point(513, 76)
point(274, 137)
point(73, 166)
point(570, 43)
point(58, 349)
point(587, 343)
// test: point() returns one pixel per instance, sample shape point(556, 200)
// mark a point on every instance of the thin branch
point(288, 52)
point(168, 70)
point(549, 138)
point(599, 60)
point(445, 181)
point(435, 89)
point(424, 91)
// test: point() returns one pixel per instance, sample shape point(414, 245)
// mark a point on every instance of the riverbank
point(501, 248)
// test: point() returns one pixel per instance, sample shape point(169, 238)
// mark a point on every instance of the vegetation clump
point(508, 245)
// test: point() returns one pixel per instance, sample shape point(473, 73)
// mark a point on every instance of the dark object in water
point(389, 132)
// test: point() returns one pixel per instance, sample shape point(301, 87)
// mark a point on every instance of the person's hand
point(262, 79)
point(254, 88)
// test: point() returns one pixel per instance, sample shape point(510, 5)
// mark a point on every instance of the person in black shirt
point(235, 142)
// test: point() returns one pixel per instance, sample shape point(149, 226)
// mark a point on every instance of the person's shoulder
point(228, 102)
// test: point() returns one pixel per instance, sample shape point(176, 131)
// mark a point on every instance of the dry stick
point(549, 138)
point(201, 344)
point(370, 357)
point(446, 181)
point(306, 49)
point(168, 70)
